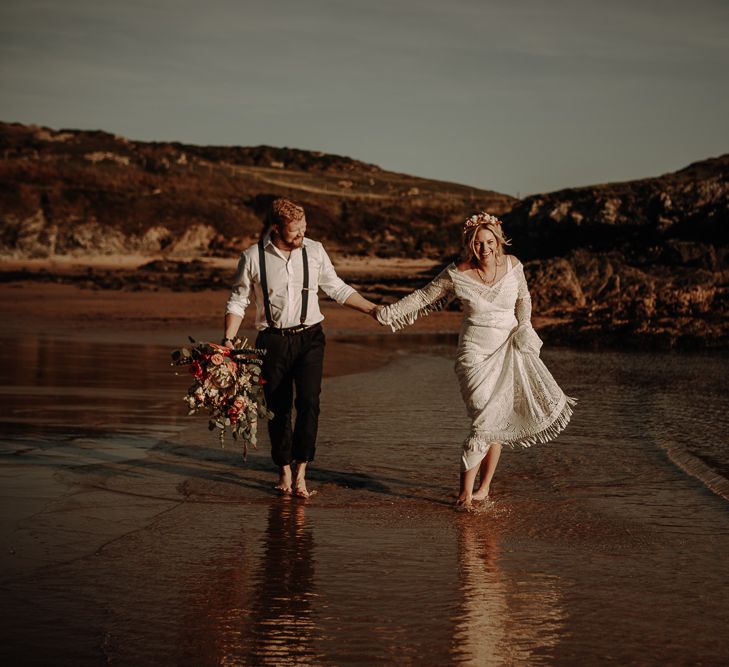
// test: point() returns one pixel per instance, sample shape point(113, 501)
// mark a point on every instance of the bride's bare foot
point(465, 496)
point(284, 480)
point(482, 493)
point(300, 489)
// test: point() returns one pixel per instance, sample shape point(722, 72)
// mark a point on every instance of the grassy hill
point(643, 262)
point(75, 192)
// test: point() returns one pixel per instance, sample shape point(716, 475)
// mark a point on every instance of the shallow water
point(131, 537)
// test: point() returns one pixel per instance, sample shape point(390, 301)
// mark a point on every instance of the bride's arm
point(523, 308)
point(434, 296)
point(525, 338)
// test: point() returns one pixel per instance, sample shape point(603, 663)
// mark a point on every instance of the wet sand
point(131, 538)
point(67, 311)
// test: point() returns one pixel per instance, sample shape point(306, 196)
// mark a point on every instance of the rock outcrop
point(640, 261)
point(86, 193)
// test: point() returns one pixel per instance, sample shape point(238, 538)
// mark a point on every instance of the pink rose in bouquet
point(228, 385)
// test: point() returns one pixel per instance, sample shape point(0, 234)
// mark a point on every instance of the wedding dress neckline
point(463, 274)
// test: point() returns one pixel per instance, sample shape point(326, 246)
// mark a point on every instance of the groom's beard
point(289, 245)
point(292, 245)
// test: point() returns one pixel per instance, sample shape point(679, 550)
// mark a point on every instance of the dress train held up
point(510, 395)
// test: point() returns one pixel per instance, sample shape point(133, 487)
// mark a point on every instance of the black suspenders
point(264, 284)
point(305, 286)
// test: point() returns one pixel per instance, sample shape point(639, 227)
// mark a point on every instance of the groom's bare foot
point(284, 480)
point(300, 490)
point(482, 493)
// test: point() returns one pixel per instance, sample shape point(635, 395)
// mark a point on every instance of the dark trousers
point(293, 362)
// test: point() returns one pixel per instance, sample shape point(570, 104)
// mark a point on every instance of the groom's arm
point(338, 290)
point(357, 302)
point(232, 324)
point(240, 297)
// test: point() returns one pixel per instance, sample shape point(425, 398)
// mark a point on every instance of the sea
point(131, 537)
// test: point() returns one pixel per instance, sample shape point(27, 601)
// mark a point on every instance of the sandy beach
point(559, 165)
point(130, 537)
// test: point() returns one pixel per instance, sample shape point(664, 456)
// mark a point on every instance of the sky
point(517, 96)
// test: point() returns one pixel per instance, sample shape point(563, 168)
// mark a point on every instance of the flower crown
point(482, 218)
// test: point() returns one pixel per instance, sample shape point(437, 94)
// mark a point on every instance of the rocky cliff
point(85, 193)
point(639, 261)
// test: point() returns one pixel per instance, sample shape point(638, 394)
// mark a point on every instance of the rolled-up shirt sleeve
point(334, 287)
point(240, 295)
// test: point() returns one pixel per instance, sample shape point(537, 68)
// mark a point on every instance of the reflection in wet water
point(47, 384)
point(282, 623)
point(480, 631)
point(258, 606)
point(133, 538)
point(504, 620)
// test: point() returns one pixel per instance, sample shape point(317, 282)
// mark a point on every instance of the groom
point(284, 272)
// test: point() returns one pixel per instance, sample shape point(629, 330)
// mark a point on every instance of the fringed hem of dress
point(402, 321)
point(480, 441)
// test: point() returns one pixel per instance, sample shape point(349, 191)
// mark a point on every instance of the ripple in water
point(133, 538)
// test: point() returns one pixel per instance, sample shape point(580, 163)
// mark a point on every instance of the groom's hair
point(283, 211)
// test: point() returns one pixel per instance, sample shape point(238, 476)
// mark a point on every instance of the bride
point(510, 395)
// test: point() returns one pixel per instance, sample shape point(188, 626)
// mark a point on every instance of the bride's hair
point(469, 238)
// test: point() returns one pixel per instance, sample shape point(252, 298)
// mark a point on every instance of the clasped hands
point(373, 313)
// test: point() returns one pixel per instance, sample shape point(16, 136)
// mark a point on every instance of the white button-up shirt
point(285, 278)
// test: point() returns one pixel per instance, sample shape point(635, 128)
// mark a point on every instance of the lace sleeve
point(523, 307)
point(525, 338)
point(434, 296)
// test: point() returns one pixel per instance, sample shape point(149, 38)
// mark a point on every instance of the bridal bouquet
point(228, 384)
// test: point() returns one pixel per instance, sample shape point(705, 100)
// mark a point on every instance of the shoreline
point(69, 265)
point(124, 515)
point(74, 306)
point(154, 283)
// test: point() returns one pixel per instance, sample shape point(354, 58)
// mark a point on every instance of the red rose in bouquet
point(228, 385)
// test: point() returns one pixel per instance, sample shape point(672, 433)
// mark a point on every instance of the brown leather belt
point(292, 331)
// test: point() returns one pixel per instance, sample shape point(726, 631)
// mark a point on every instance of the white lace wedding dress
point(510, 395)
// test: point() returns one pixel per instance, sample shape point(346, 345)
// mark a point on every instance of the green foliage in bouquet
point(228, 384)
